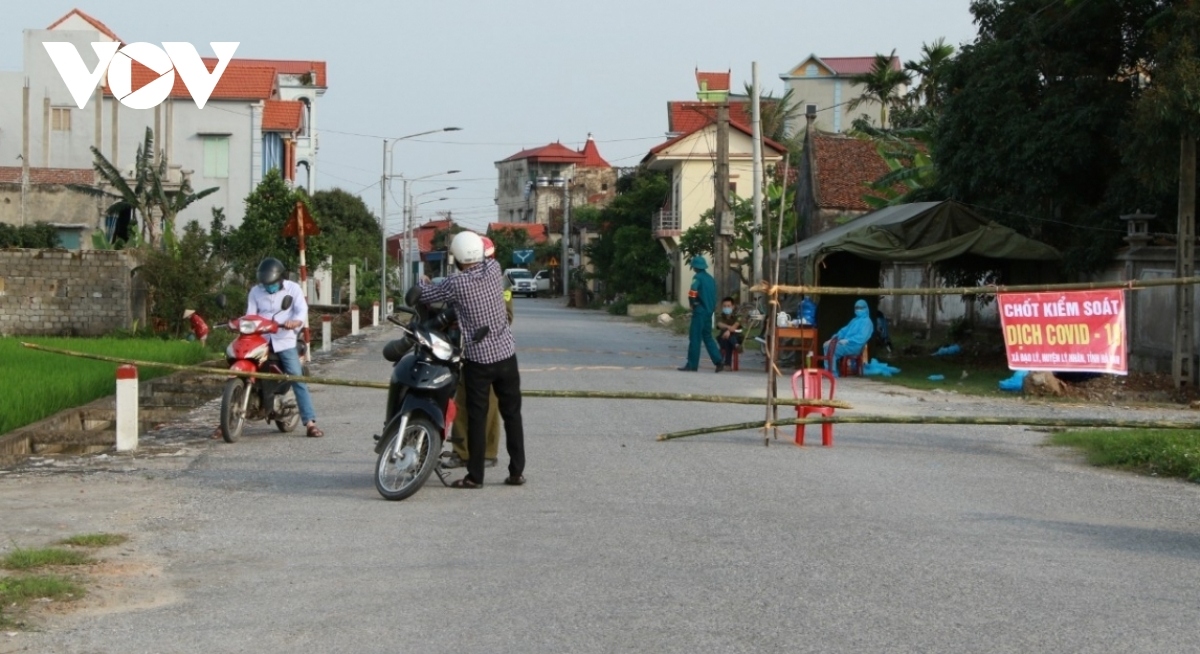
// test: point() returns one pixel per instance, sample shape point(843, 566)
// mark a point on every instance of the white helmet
point(467, 248)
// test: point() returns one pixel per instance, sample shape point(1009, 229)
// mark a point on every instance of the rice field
point(34, 385)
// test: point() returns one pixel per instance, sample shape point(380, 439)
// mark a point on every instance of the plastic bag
point(947, 350)
point(875, 367)
point(1014, 383)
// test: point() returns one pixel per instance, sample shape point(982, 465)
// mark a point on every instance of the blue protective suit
point(852, 338)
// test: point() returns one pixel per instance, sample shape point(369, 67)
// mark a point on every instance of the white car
point(526, 283)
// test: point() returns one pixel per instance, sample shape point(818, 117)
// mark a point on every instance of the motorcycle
point(246, 398)
point(426, 364)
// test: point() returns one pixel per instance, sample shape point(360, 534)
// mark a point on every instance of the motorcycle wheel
point(398, 477)
point(232, 417)
point(289, 425)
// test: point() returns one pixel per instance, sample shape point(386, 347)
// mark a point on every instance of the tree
point(148, 197)
point(261, 233)
point(931, 67)
point(184, 277)
point(37, 235)
point(907, 154)
point(626, 257)
point(698, 239)
point(349, 232)
point(508, 240)
point(881, 84)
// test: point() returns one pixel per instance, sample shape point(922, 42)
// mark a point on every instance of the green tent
point(921, 232)
point(851, 255)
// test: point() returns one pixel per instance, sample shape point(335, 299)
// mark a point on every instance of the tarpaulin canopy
point(921, 232)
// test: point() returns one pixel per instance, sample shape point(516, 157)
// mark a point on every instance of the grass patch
point(983, 376)
point(34, 385)
point(1160, 452)
point(23, 559)
point(22, 590)
point(94, 540)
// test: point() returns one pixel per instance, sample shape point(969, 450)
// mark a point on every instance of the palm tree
point(776, 113)
point(881, 84)
point(930, 67)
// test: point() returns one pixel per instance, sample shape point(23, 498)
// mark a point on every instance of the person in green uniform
point(703, 299)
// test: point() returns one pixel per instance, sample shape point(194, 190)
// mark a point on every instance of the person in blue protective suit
point(703, 299)
point(850, 339)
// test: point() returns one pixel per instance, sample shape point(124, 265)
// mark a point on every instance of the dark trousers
point(504, 378)
point(728, 345)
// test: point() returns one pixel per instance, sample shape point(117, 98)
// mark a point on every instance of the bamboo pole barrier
point(616, 395)
point(944, 420)
point(1136, 284)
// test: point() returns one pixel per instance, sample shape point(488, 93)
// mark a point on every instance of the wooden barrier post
point(375, 314)
point(326, 332)
point(127, 408)
point(354, 319)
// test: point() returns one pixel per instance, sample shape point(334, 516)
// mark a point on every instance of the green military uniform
point(703, 299)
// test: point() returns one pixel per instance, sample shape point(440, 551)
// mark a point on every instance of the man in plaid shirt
point(477, 295)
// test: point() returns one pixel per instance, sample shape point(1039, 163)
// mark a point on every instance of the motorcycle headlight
point(441, 349)
point(247, 326)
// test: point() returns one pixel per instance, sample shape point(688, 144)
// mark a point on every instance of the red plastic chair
point(846, 365)
point(812, 388)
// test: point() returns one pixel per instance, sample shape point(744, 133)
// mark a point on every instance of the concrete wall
point(56, 292)
point(51, 203)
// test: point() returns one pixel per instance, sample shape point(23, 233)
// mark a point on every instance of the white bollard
point(326, 332)
point(354, 320)
point(375, 314)
point(127, 408)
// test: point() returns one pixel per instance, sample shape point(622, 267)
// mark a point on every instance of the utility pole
point(1182, 368)
point(383, 184)
point(566, 239)
point(757, 271)
point(722, 216)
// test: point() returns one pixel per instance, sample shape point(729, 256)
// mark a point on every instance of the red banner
point(1080, 330)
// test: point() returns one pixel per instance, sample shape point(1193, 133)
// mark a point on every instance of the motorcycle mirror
point(412, 296)
point(287, 303)
point(221, 301)
point(480, 334)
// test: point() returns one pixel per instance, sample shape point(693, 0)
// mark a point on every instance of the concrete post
point(127, 408)
point(375, 314)
point(354, 320)
point(353, 282)
point(326, 332)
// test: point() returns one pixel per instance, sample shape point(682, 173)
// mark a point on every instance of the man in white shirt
point(266, 299)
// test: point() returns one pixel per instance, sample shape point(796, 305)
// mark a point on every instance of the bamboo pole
point(1136, 284)
point(615, 395)
point(945, 420)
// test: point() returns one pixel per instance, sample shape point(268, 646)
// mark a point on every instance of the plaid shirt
point(477, 294)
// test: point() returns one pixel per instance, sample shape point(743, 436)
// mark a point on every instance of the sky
point(512, 75)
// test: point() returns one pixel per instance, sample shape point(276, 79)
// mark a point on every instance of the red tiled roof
point(591, 155)
point(688, 116)
point(238, 82)
point(537, 231)
point(284, 67)
point(427, 231)
point(12, 175)
point(845, 168)
point(854, 65)
point(100, 27)
point(716, 81)
point(282, 115)
point(732, 124)
point(553, 153)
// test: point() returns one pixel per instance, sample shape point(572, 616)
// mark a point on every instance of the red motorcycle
point(248, 398)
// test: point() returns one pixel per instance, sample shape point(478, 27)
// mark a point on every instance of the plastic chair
point(846, 365)
point(812, 388)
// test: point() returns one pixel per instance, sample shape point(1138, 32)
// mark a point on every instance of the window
point(60, 119)
point(811, 71)
point(216, 156)
point(810, 109)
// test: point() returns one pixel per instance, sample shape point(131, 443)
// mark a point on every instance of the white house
point(261, 115)
point(822, 85)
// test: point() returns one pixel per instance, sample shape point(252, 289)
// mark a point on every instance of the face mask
point(860, 312)
point(272, 289)
point(727, 310)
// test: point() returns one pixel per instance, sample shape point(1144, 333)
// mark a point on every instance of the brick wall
point(56, 292)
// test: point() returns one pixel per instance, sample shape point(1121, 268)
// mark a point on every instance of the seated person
point(850, 339)
point(729, 330)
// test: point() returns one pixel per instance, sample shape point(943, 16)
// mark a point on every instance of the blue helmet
point(699, 263)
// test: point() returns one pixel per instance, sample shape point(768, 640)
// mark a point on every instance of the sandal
point(465, 482)
point(517, 480)
point(315, 431)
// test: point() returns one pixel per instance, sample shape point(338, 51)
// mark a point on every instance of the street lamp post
point(406, 280)
point(383, 184)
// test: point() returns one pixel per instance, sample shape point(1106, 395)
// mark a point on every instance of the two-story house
point(531, 183)
point(689, 158)
point(823, 85)
point(261, 115)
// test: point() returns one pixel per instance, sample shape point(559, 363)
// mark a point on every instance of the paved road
point(900, 538)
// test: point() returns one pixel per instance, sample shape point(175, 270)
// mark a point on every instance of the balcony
point(665, 224)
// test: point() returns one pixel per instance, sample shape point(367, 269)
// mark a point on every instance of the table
point(804, 341)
